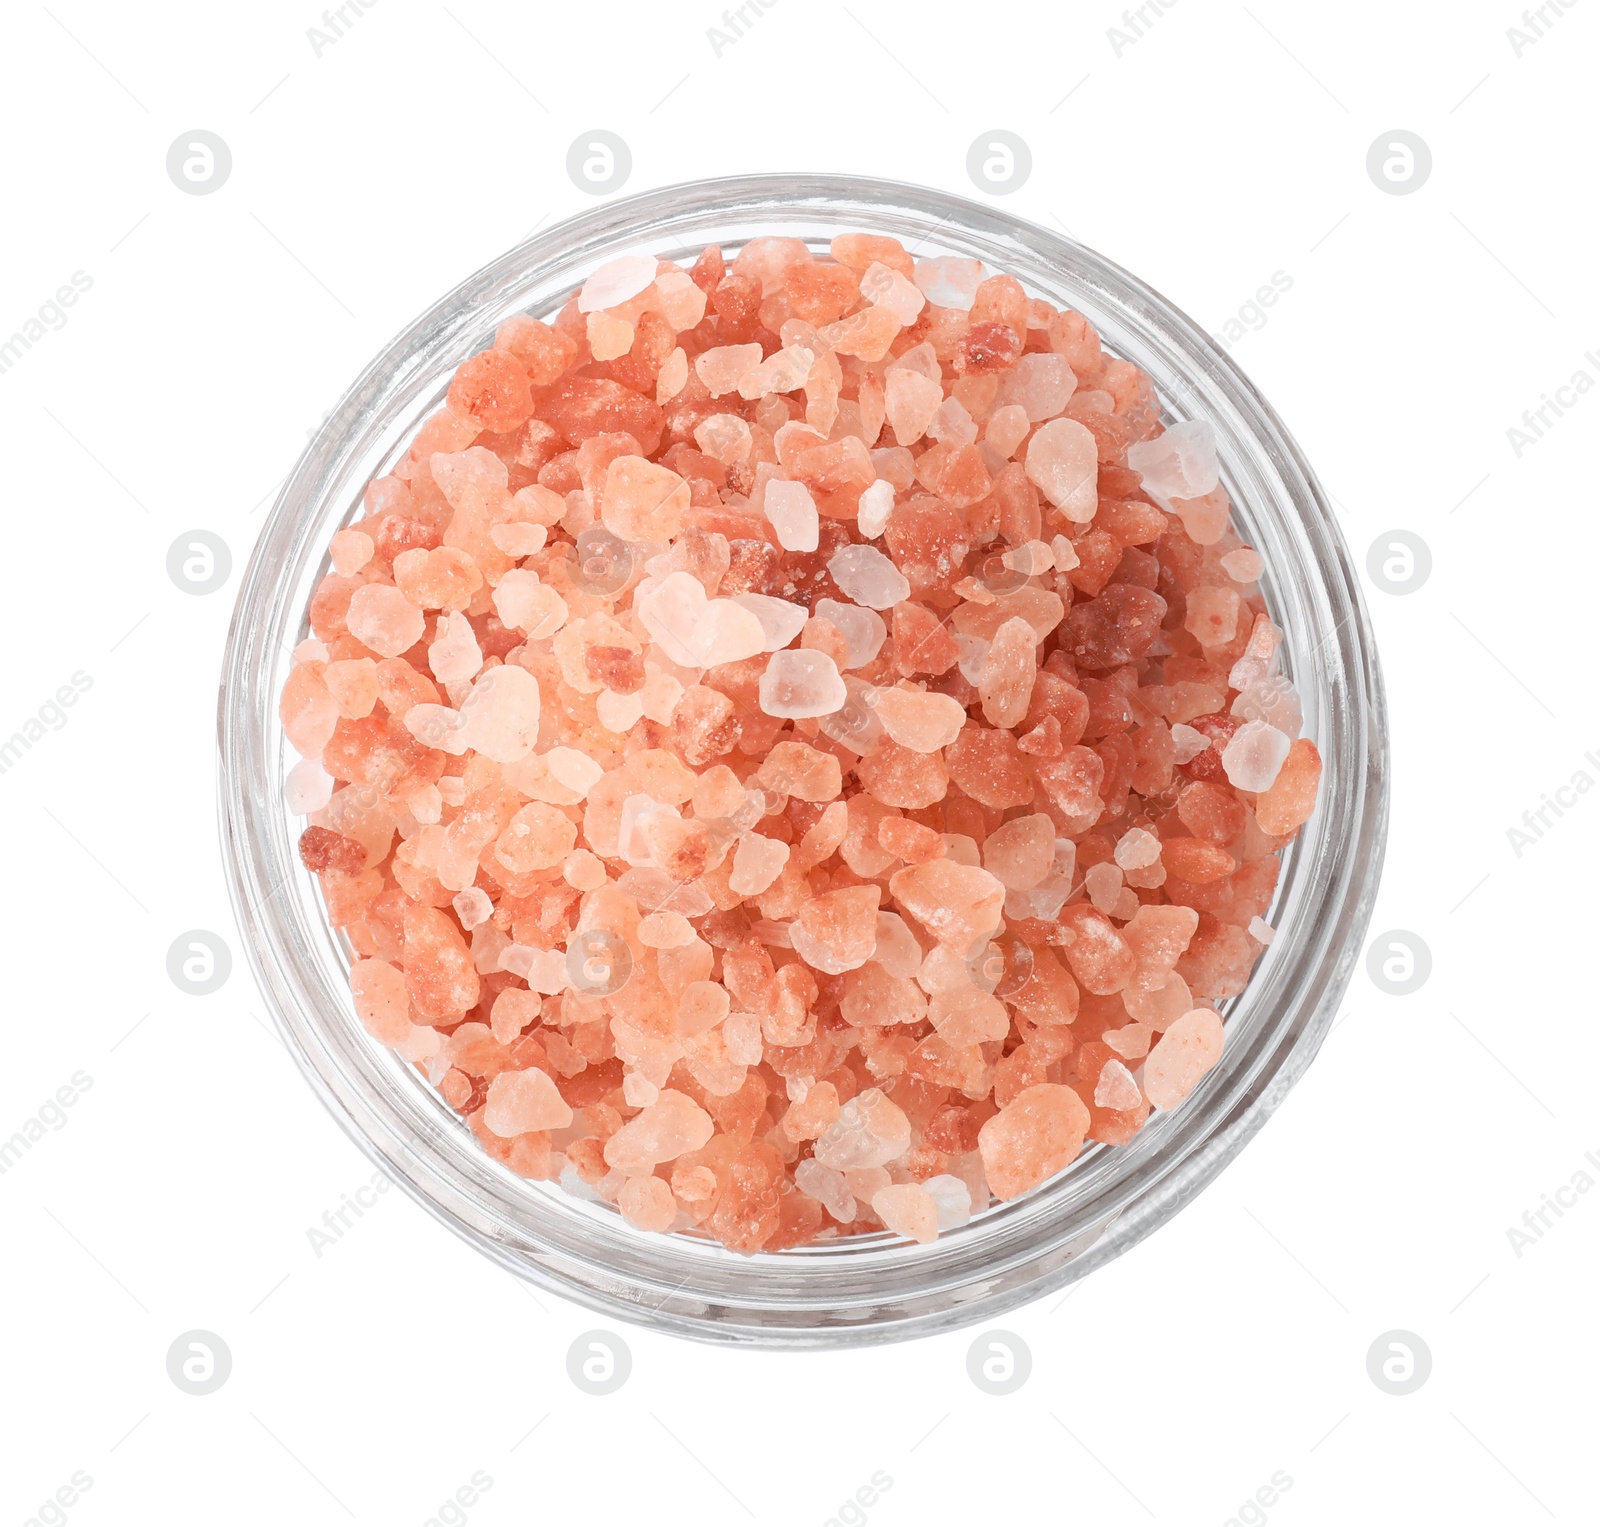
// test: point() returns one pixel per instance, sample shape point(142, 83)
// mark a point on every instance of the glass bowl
point(864, 1288)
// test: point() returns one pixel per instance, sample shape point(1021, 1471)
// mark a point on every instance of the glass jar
point(863, 1288)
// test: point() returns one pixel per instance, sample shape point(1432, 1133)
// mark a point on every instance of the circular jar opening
point(856, 1288)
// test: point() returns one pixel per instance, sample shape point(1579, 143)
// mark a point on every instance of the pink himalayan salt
point(1242, 565)
point(1191, 1046)
point(780, 620)
point(695, 631)
point(1019, 853)
point(956, 903)
point(1116, 1088)
point(1036, 1135)
point(838, 930)
point(725, 438)
point(1005, 683)
point(888, 288)
point(869, 1131)
point(466, 832)
point(350, 551)
point(453, 654)
point(353, 683)
point(1062, 462)
point(500, 718)
point(642, 501)
point(911, 400)
point(723, 367)
point(1160, 1007)
point(829, 1187)
point(669, 1127)
point(648, 1203)
point(908, 1209)
point(918, 719)
point(757, 862)
point(382, 618)
point(522, 1101)
point(1040, 384)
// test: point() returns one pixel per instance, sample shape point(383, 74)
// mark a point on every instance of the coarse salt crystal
point(616, 281)
point(868, 577)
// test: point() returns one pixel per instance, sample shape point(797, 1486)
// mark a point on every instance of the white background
point(1223, 145)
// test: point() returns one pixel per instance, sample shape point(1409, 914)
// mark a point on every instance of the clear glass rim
point(861, 1289)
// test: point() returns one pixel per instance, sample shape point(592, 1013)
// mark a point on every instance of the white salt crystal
point(792, 512)
point(952, 1198)
point(949, 282)
point(872, 512)
point(863, 630)
point(1182, 463)
point(1262, 932)
point(801, 682)
point(308, 787)
point(473, 907)
point(1254, 755)
point(1137, 849)
point(868, 577)
point(576, 770)
point(781, 620)
point(616, 281)
point(952, 424)
point(1187, 743)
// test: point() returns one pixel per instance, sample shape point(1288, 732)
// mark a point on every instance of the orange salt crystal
point(1032, 1138)
point(781, 747)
